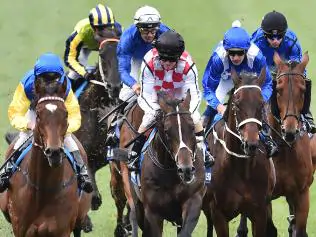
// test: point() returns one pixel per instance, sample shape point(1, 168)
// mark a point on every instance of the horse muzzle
point(54, 156)
point(187, 174)
point(250, 148)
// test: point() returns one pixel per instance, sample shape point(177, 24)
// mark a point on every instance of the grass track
point(29, 28)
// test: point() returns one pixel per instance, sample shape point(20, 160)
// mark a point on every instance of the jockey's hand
point(136, 88)
point(221, 109)
point(89, 76)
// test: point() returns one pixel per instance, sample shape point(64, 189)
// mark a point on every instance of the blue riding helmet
point(236, 37)
point(49, 63)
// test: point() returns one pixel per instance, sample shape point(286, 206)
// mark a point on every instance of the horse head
point(290, 88)
point(107, 71)
point(51, 120)
point(247, 106)
point(176, 130)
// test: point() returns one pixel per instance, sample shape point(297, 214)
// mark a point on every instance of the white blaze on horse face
point(182, 144)
point(52, 108)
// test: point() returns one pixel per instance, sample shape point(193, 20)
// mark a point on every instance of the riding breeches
point(83, 60)
point(126, 91)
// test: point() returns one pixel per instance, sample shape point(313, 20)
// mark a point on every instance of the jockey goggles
point(236, 52)
point(146, 31)
point(277, 36)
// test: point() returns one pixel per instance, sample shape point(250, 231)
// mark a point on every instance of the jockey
point(235, 51)
point(135, 42)
point(274, 36)
point(84, 39)
point(168, 67)
point(22, 117)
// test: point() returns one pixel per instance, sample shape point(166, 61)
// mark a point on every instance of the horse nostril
point(48, 152)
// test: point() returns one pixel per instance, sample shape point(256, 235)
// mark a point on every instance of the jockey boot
point(5, 176)
point(270, 145)
point(135, 153)
point(309, 117)
point(202, 142)
point(84, 181)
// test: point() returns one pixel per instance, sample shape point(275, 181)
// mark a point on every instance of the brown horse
point(293, 164)
point(43, 198)
point(172, 173)
point(121, 188)
point(242, 180)
point(98, 99)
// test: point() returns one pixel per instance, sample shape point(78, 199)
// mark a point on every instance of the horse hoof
point(96, 202)
point(120, 231)
point(241, 235)
point(87, 225)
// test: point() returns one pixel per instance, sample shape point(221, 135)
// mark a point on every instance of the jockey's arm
point(191, 83)
point(211, 79)
point(124, 56)
point(266, 92)
point(18, 108)
point(74, 116)
point(72, 51)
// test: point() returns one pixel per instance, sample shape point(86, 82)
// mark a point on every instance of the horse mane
point(248, 78)
point(292, 64)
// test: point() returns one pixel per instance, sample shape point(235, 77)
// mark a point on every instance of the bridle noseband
point(290, 89)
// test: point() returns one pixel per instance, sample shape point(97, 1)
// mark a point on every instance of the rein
point(104, 82)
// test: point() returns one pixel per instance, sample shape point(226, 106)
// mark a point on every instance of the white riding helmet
point(147, 17)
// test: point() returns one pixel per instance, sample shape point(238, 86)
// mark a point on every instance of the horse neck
point(41, 175)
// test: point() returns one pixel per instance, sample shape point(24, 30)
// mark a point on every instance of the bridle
point(181, 145)
point(43, 145)
point(290, 90)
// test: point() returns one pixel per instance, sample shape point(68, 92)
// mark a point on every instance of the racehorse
point(121, 188)
point(293, 164)
point(172, 172)
point(98, 99)
point(43, 198)
point(242, 178)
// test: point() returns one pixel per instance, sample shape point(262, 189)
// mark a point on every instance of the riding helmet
point(274, 21)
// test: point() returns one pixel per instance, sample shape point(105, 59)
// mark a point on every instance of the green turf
point(29, 28)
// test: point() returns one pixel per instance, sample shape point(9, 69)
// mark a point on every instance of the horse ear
point(63, 88)
point(162, 100)
point(262, 76)
point(277, 60)
point(234, 77)
point(187, 100)
point(305, 60)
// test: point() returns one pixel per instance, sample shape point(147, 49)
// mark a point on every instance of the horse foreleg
point(259, 221)
point(153, 224)
point(242, 230)
point(271, 230)
point(191, 210)
point(96, 200)
point(77, 232)
point(220, 223)
point(208, 214)
point(117, 192)
point(301, 209)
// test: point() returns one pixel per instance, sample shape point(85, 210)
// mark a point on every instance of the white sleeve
point(148, 99)
point(191, 82)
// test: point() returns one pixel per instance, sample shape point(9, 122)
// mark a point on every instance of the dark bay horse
point(98, 99)
point(172, 173)
point(293, 164)
point(121, 188)
point(242, 178)
point(43, 198)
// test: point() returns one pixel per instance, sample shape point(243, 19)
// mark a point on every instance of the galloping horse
point(43, 198)
point(100, 96)
point(242, 180)
point(120, 179)
point(293, 164)
point(172, 173)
